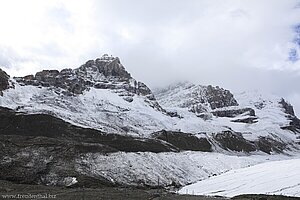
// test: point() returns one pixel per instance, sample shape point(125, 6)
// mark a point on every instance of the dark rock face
point(184, 141)
point(234, 141)
point(43, 125)
point(288, 108)
point(66, 79)
point(219, 97)
point(294, 121)
point(114, 68)
point(248, 120)
point(233, 112)
point(4, 84)
point(268, 145)
point(294, 124)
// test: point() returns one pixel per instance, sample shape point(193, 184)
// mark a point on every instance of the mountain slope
point(102, 95)
point(97, 125)
point(248, 116)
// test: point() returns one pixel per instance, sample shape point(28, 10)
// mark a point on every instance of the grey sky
point(236, 44)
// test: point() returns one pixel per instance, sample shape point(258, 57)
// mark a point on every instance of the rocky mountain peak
point(106, 73)
point(102, 71)
point(108, 66)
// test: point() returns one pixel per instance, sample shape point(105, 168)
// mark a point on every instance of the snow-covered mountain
point(102, 95)
point(96, 125)
point(249, 115)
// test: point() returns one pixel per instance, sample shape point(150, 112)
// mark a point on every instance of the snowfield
point(275, 177)
point(145, 168)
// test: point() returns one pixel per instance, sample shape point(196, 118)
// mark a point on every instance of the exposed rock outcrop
point(219, 98)
point(247, 120)
point(287, 107)
point(101, 73)
point(4, 84)
point(294, 124)
point(234, 141)
point(233, 112)
point(268, 145)
point(184, 141)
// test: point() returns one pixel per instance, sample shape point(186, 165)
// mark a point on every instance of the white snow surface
point(179, 168)
point(105, 110)
point(270, 114)
point(101, 109)
point(276, 177)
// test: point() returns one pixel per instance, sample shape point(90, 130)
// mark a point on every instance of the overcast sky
point(236, 44)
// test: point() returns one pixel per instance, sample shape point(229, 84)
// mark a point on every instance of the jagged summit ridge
point(108, 66)
point(100, 94)
point(104, 69)
point(105, 72)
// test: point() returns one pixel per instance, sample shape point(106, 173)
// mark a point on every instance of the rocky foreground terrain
point(97, 127)
point(116, 193)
